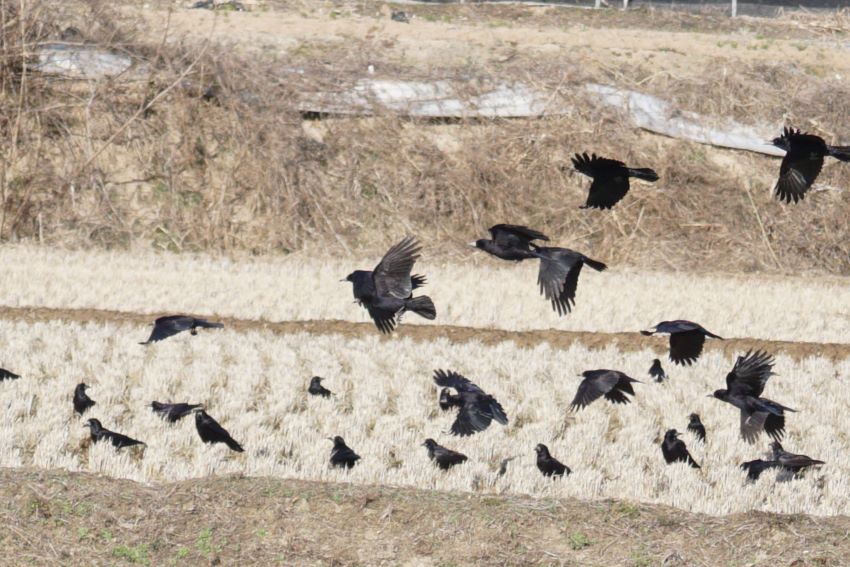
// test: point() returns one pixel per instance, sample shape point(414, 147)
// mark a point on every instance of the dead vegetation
point(201, 146)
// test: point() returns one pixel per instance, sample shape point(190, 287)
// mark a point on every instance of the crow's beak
point(646, 333)
point(472, 244)
point(343, 280)
point(709, 395)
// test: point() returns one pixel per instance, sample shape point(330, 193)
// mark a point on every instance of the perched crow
point(696, 427)
point(610, 179)
point(686, 339)
point(477, 408)
point(790, 461)
point(511, 242)
point(173, 412)
point(755, 468)
point(612, 384)
point(444, 458)
point(82, 401)
point(744, 386)
point(802, 162)
point(165, 327)
point(316, 388)
point(342, 456)
point(7, 375)
point(656, 371)
point(387, 291)
point(503, 466)
point(558, 275)
point(549, 465)
point(210, 431)
point(675, 450)
point(98, 433)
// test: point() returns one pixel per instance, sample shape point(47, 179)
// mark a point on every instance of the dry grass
point(254, 384)
point(146, 159)
point(476, 292)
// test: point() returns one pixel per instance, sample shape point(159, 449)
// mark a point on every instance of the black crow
point(7, 375)
point(744, 386)
point(790, 461)
point(82, 401)
point(316, 388)
point(549, 465)
point(173, 412)
point(477, 408)
point(686, 339)
point(756, 467)
point(444, 458)
point(675, 450)
point(558, 275)
point(612, 384)
point(98, 433)
point(387, 291)
point(210, 431)
point(511, 242)
point(696, 427)
point(610, 179)
point(169, 326)
point(802, 162)
point(342, 456)
point(656, 371)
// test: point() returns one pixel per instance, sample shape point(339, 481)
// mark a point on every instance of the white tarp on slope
point(79, 61)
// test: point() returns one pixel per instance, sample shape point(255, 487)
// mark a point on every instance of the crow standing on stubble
point(744, 386)
point(316, 388)
point(612, 384)
point(387, 291)
point(510, 242)
point(549, 465)
point(173, 412)
point(686, 339)
point(610, 179)
point(675, 450)
point(792, 462)
point(100, 433)
point(443, 457)
point(342, 456)
point(477, 408)
point(656, 371)
point(169, 326)
point(696, 427)
point(82, 401)
point(802, 163)
point(210, 431)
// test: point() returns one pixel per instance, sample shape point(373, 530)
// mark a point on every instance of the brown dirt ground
point(556, 338)
point(60, 518)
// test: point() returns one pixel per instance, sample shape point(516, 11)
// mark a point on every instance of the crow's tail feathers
point(234, 445)
point(422, 306)
point(644, 173)
point(840, 152)
point(598, 266)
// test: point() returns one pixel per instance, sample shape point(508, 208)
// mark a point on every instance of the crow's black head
point(541, 449)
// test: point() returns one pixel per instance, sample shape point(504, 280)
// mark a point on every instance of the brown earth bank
point(556, 338)
point(202, 145)
point(62, 518)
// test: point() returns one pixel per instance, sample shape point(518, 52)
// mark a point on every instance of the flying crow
point(610, 179)
point(173, 412)
point(802, 162)
point(510, 242)
point(169, 326)
point(558, 275)
point(612, 384)
point(686, 339)
point(477, 408)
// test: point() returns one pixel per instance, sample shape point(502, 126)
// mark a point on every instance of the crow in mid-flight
point(610, 179)
point(316, 388)
point(549, 465)
point(477, 408)
point(686, 339)
point(173, 412)
point(82, 401)
point(169, 326)
point(744, 386)
point(387, 291)
point(210, 431)
point(99, 433)
point(612, 384)
point(558, 275)
point(342, 456)
point(675, 450)
point(510, 242)
point(802, 162)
